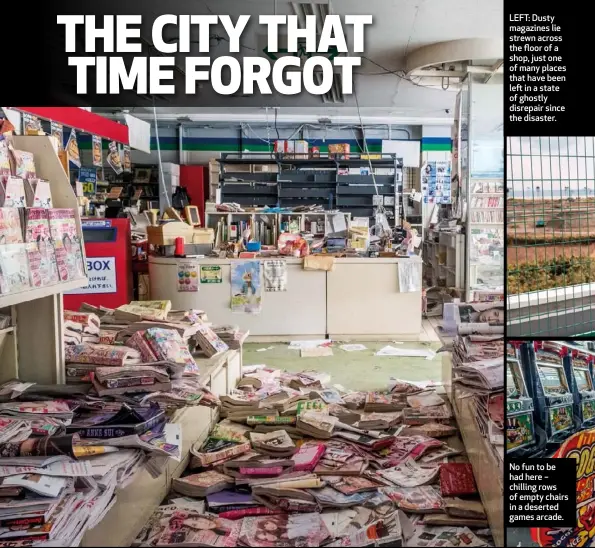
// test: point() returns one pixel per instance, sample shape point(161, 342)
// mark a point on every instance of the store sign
point(101, 272)
point(580, 447)
point(88, 178)
point(88, 223)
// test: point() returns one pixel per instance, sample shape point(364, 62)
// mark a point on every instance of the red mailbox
point(109, 265)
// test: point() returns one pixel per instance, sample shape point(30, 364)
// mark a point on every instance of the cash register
point(520, 430)
point(578, 367)
point(553, 398)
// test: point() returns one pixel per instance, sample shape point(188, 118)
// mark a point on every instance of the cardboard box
point(339, 150)
point(167, 233)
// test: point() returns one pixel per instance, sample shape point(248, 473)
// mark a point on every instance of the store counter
point(359, 299)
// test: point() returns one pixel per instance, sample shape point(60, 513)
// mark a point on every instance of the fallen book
point(308, 456)
point(430, 429)
point(415, 417)
point(416, 500)
point(316, 424)
point(456, 479)
point(272, 420)
point(349, 485)
point(212, 453)
point(255, 461)
point(410, 474)
point(329, 497)
point(127, 421)
point(203, 484)
point(109, 381)
point(275, 444)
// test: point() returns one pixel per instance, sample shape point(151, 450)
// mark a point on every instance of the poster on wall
point(88, 178)
point(113, 158)
point(126, 162)
point(187, 277)
point(436, 183)
point(211, 274)
point(97, 154)
point(275, 276)
point(246, 289)
point(31, 125)
point(57, 131)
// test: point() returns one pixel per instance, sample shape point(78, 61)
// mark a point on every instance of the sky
point(551, 162)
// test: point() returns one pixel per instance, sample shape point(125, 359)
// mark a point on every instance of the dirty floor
point(359, 370)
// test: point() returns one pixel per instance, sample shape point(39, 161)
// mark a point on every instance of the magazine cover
point(10, 226)
point(4, 162)
point(43, 269)
point(284, 530)
point(57, 131)
point(100, 354)
point(246, 288)
point(67, 244)
point(410, 474)
point(14, 268)
point(113, 158)
point(72, 148)
point(97, 153)
point(189, 528)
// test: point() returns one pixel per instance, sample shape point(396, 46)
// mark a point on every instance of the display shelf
point(487, 472)
point(327, 182)
point(137, 501)
point(11, 299)
point(36, 352)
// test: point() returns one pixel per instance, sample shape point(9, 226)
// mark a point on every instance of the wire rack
point(550, 220)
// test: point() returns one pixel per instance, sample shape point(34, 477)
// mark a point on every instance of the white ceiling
point(399, 28)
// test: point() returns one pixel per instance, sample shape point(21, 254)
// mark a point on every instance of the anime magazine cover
point(246, 287)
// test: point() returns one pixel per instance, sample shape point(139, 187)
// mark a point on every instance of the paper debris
point(299, 345)
point(406, 352)
point(317, 352)
point(353, 347)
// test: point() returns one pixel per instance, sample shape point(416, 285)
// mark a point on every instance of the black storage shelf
point(309, 181)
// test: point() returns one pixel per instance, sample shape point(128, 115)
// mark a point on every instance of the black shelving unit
point(309, 181)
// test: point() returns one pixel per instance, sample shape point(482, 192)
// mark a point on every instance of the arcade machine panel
point(520, 430)
point(583, 389)
point(552, 390)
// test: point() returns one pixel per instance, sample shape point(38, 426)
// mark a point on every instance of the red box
point(109, 265)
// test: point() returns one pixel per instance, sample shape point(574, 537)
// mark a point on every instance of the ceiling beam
point(495, 68)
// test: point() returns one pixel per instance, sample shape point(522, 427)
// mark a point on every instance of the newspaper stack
point(307, 470)
point(81, 327)
point(63, 458)
point(478, 374)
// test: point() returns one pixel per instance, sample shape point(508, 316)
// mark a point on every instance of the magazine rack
point(490, 486)
point(32, 349)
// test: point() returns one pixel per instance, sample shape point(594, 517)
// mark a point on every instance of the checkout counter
point(359, 299)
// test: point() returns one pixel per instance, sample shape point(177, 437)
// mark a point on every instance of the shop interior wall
point(200, 144)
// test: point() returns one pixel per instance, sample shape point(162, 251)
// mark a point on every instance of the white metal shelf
point(33, 348)
point(11, 299)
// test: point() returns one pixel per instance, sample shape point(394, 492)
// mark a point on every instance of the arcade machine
point(552, 397)
point(520, 430)
point(578, 371)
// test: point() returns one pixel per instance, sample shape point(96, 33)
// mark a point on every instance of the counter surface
point(359, 299)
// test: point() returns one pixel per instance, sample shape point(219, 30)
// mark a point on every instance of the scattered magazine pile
point(478, 375)
point(294, 463)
